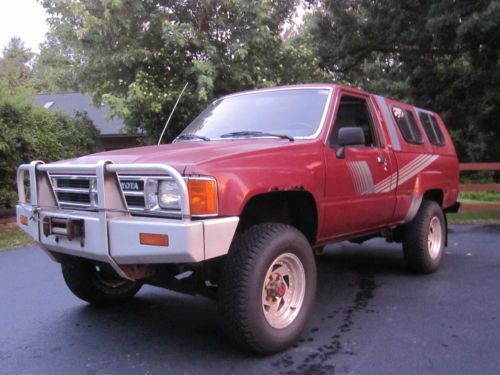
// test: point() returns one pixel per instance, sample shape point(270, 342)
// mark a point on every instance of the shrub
point(33, 133)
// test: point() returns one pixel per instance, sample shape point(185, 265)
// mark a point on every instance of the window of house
point(407, 125)
point(432, 129)
point(354, 112)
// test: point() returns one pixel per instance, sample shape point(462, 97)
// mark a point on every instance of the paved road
point(372, 317)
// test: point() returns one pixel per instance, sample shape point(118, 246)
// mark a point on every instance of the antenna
point(171, 113)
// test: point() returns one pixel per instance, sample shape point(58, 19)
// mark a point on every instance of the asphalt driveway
point(372, 317)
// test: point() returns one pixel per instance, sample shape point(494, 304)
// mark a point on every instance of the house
point(112, 131)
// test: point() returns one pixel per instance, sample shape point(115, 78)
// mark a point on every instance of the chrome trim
point(72, 190)
point(133, 193)
point(75, 204)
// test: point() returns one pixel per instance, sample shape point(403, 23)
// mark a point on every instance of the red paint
point(245, 168)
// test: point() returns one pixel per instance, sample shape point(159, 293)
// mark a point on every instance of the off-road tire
point(422, 252)
point(244, 281)
point(88, 283)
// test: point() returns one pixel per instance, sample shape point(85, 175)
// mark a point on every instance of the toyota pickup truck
point(239, 204)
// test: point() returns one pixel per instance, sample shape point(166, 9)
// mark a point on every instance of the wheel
point(98, 285)
point(424, 238)
point(267, 287)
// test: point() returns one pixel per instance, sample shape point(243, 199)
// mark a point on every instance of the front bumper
point(189, 241)
point(111, 234)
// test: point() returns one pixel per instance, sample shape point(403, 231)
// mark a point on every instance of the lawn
point(11, 236)
point(488, 217)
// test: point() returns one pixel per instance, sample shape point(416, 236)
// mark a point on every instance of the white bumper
point(189, 240)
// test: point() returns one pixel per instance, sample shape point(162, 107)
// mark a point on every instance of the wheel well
point(295, 208)
point(435, 195)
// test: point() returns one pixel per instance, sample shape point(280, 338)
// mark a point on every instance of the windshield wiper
point(255, 133)
point(192, 136)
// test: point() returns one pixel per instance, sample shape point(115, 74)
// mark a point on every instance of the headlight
point(162, 194)
point(169, 197)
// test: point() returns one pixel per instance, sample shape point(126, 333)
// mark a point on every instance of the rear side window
point(407, 125)
point(432, 129)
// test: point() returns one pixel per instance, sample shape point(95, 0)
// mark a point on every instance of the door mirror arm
point(340, 152)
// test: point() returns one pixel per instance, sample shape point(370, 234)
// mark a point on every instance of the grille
point(79, 191)
point(75, 191)
point(73, 197)
point(134, 202)
point(73, 183)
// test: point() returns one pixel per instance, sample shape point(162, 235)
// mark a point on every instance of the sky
point(25, 19)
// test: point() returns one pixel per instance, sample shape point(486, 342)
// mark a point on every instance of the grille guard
point(42, 195)
point(111, 202)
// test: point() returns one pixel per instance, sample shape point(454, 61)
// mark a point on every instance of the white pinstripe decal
point(363, 179)
point(361, 176)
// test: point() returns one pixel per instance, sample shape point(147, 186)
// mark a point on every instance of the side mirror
point(349, 136)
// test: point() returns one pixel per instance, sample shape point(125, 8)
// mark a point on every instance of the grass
point(475, 197)
point(479, 196)
point(11, 236)
point(488, 217)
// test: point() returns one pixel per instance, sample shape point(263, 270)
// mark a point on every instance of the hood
point(193, 153)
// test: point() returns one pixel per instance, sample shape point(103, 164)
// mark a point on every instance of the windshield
point(289, 112)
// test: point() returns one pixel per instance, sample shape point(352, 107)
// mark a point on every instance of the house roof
point(72, 102)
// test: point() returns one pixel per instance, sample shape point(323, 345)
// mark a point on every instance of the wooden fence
point(480, 187)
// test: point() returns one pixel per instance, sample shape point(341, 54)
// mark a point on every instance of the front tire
point(98, 285)
point(267, 287)
point(424, 238)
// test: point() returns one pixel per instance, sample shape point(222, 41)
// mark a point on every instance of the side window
point(438, 131)
point(352, 112)
point(407, 125)
point(432, 129)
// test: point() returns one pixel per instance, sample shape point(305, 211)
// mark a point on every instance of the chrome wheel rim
point(283, 290)
point(434, 238)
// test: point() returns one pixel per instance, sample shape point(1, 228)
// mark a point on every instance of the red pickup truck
point(238, 205)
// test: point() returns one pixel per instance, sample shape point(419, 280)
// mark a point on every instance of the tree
point(14, 70)
point(33, 133)
point(441, 54)
point(55, 69)
point(137, 56)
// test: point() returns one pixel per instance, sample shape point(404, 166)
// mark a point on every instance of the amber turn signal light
point(24, 220)
point(153, 239)
point(202, 196)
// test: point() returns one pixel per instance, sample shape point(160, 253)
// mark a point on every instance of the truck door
point(360, 185)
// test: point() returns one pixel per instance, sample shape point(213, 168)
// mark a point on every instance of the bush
point(33, 133)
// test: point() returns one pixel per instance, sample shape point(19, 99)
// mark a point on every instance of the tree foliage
point(32, 133)
point(138, 55)
point(14, 71)
point(439, 54)
point(55, 69)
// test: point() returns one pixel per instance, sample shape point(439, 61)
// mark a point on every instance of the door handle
point(381, 160)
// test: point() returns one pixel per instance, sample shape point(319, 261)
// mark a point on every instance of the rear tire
point(424, 238)
point(97, 285)
point(267, 287)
